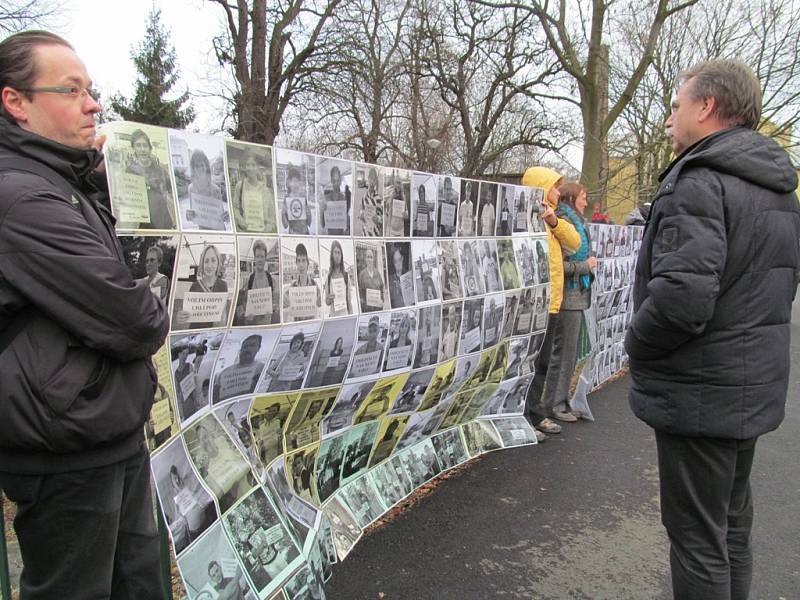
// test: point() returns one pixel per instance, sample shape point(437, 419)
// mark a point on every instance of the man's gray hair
point(732, 84)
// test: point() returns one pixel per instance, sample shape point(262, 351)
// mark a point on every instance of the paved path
point(576, 517)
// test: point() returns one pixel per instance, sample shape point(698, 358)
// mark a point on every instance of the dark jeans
point(87, 534)
point(533, 406)
point(707, 509)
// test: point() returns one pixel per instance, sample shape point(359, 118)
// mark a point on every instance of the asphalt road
point(576, 517)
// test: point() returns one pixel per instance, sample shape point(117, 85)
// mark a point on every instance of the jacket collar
point(72, 164)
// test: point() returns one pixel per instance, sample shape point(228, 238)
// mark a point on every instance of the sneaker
point(547, 426)
point(567, 417)
point(540, 436)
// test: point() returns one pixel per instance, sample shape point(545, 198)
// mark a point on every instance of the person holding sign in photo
point(337, 284)
point(488, 209)
point(302, 298)
point(448, 205)
point(370, 282)
point(253, 205)
point(423, 218)
point(491, 273)
point(295, 216)
point(466, 211)
point(372, 347)
point(258, 301)
point(473, 280)
point(334, 206)
point(288, 373)
point(209, 282)
point(401, 291)
point(396, 209)
point(156, 179)
point(370, 212)
point(241, 377)
point(205, 197)
point(156, 281)
point(401, 346)
point(504, 218)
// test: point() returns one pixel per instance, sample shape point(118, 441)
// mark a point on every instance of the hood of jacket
point(72, 164)
point(541, 177)
point(740, 152)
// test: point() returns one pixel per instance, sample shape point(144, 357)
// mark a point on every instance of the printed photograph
point(290, 360)
point(449, 448)
point(420, 425)
point(487, 251)
point(520, 210)
point(344, 527)
point(192, 358)
point(261, 541)
point(258, 299)
point(302, 515)
point(250, 181)
point(373, 331)
point(410, 396)
point(449, 271)
point(357, 447)
point(514, 431)
point(343, 411)
point(540, 308)
point(526, 260)
point(389, 433)
point(423, 213)
point(199, 170)
point(472, 277)
point(337, 260)
point(396, 202)
point(139, 176)
point(468, 208)
point(505, 210)
point(205, 282)
point(334, 190)
point(268, 417)
point(380, 398)
point(370, 263)
point(295, 184)
point(510, 312)
point(329, 465)
point(448, 198)
point(302, 428)
point(303, 585)
point(542, 264)
point(302, 299)
point(188, 508)
point(471, 335)
point(151, 259)
point(234, 418)
point(508, 266)
point(402, 340)
point(400, 277)
point(210, 570)
point(535, 201)
point(451, 327)
point(301, 474)
point(362, 499)
point(517, 353)
point(240, 362)
point(428, 336)
point(220, 464)
point(481, 436)
point(426, 270)
point(332, 354)
point(368, 201)
point(163, 422)
point(487, 211)
point(492, 319)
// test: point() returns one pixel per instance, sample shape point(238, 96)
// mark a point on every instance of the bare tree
point(766, 35)
point(582, 49)
point(16, 15)
point(273, 49)
point(489, 71)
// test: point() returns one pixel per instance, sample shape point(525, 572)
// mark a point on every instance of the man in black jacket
point(76, 336)
point(709, 341)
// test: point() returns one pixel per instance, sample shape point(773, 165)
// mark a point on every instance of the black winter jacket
point(715, 279)
point(77, 383)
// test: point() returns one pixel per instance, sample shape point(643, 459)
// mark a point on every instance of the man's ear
point(13, 102)
point(708, 110)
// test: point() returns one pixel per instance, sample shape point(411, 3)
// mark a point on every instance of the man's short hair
point(157, 251)
point(17, 60)
point(732, 84)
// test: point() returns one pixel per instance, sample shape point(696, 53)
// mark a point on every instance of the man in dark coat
point(709, 341)
point(76, 336)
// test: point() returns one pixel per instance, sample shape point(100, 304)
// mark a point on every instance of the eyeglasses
point(71, 91)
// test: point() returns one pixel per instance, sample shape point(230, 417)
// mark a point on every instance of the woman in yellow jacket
point(562, 238)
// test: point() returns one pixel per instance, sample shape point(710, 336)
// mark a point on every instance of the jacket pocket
point(82, 372)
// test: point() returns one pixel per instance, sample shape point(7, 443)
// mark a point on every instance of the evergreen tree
point(158, 73)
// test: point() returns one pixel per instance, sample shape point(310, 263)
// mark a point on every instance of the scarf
point(565, 211)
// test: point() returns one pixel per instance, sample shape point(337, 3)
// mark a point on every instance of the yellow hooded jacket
point(563, 235)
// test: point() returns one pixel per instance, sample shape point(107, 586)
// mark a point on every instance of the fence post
point(5, 575)
point(166, 560)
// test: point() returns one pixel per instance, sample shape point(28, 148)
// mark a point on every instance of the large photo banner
point(341, 333)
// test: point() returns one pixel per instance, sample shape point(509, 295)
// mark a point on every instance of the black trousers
point(707, 509)
point(534, 408)
point(87, 534)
